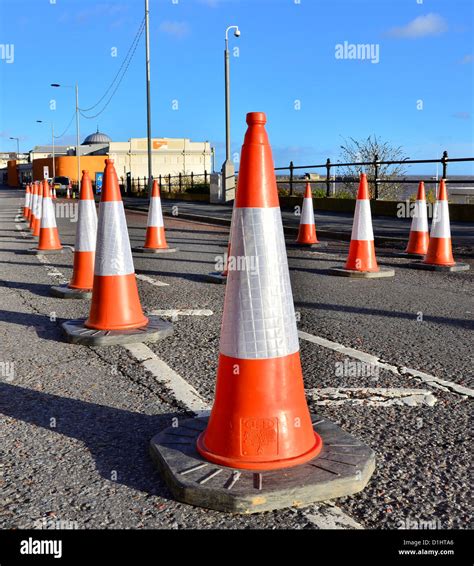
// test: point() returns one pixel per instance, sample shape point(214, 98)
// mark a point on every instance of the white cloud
point(175, 29)
point(467, 59)
point(423, 26)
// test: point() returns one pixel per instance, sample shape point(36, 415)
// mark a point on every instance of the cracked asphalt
point(76, 421)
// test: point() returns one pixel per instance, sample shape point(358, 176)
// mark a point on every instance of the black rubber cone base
point(155, 330)
point(449, 268)
point(65, 292)
point(383, 272)
point(143, 250)
point(216, 277)
point(343, 467)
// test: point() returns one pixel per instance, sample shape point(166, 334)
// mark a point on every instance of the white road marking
point(174, 313)
point(179, 387)
point(150, 280)
point(328, 516)
point(52, 271)
point(371, 396)
point(430, 380)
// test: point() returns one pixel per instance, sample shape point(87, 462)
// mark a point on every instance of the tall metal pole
point(78, 147)
point(227, 99)
point(54, 162)
point(148, 103)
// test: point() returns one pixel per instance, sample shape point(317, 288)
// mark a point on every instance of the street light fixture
point(52, 140)
point(17, 146)
point(78, 147)
point(228, 170)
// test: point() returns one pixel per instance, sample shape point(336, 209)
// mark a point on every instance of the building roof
point(96, 137)
point(49, 149)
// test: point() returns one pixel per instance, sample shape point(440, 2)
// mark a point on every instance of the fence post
point(159, 180)
point(180, 185)
point(328, 177)
point(169, 182)
point(376, 174)
point(192, 180)
point(291, 178)
point(444, 161)
point(205, 176)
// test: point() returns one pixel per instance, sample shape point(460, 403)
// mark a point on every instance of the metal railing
point(183, 182)
point(375, 164)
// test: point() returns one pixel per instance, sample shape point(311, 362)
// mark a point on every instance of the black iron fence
point(374, 179)
point(181, 183)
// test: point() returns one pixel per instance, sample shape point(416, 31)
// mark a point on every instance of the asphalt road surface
point(76, 420)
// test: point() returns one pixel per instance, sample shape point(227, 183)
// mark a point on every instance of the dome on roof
point(96, 137)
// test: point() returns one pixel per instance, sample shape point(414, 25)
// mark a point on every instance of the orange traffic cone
point(260, 419)
point(361, 262)
point(80, 286)
point(48, 234)
point(155, 240)
point(115, 315)
point(221, 276)
point(34, 198)
point(38, 210)
point(439, 256)
point(68, 193)
point(307, 231)
point(54, 193)
point(419, 236)
point(26, 207)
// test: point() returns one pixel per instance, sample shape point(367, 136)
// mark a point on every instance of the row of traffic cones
point(38, 211)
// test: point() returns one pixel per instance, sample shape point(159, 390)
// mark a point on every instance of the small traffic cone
point(80, 286)
point(48, 235)
point(260, 447)
point(361, 262)
point(26, 206)
point(54, 193)
point(32, 206)
point(115, 314)
point(68, 193)
point(38, 210)
point(155, 240)
point(221, 276)
point(439, 256)
point(307, 231)
point(419, 236)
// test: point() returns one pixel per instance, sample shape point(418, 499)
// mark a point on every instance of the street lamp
point(17, 146)
point(78, 152)
point(228, 170)
point(148, 97)
point(52, 139)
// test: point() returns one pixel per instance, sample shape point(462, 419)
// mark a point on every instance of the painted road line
point(369, 359)
point(182, 391)
point(329, 516)
point(150, 280)
point(174, 313)
point(371, 396)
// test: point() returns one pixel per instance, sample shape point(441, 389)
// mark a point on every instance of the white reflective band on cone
point(259, 317)
point(155, 215)
point(307, 214)
point(420, 217)
point(86, 233)
point(48, 220)
point(440, 226)
point(362, 226)
point(39, 207)
point(27, 200)
point(113, 254)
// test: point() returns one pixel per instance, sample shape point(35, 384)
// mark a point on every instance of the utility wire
point(124, 67)
point(67, 128)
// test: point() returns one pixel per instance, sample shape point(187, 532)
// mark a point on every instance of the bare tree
point(368, 150)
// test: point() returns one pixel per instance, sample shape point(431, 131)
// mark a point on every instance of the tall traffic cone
point(32, 205)
point(155, 239)
point(80, 286)
point(115, 315)
point(260, 425)
point(307, 231)
point(249, 427)
point(361, 262)
point(26, 207)
point(38, 210)
point(439, 256)
point(48, 234)
point(419, 236)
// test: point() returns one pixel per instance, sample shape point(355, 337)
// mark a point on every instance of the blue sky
point(286, 67)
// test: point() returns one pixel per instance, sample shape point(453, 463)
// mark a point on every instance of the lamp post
point(228, 170)
point(148, 103)
point(52, 141)
point(17, 146)
point(78, 147)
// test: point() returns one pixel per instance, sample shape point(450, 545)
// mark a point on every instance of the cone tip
point(256, 118)
point(109, 161)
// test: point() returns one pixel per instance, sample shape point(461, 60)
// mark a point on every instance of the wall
point(67, 166)
point(12, 174)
